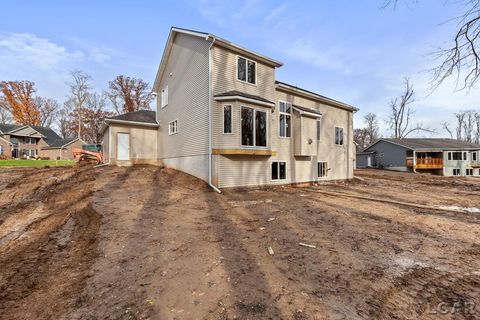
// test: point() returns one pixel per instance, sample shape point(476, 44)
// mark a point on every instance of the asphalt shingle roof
point(51, 137)
point(4, 127)
point(146, 116)
point(434, 143)
point(242, 94)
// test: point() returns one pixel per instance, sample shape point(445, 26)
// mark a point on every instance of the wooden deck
point(426, 163)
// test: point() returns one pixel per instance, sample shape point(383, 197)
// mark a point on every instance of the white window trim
point(319, 138)
point(326, 170)
point(246, 71)
point(335, 136)
point(254, 128)
point(223, 118)
point(291, 118)
point(170, 127)
point(286, 170)
point(164, 93)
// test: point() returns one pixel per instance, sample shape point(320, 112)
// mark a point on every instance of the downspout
point(210, 120)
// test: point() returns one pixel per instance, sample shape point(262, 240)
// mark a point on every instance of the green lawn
point(35, 163)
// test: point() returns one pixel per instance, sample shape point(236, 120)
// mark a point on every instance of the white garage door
point(123, 146)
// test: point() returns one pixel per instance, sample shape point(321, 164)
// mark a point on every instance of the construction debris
point(307, 245)
point(270, 251)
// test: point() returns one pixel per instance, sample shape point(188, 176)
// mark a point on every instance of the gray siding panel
point(389, 155)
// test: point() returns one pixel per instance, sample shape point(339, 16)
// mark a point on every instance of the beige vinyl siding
point(242, 171)
point(224, 75)
point(186, 74)
point(143, 143)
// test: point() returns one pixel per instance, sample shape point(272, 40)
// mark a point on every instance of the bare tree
point(460, 117)
point(401, 114)
point(446, 127)
point(129, 94)
point(79, 93)
point(462, 58)
point(48, 109)
point(477, 126)
point(372, 126)
point(5, 114)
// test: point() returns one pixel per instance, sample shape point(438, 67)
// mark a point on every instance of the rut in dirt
point(44, 267)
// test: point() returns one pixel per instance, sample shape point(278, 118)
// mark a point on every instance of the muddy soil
point(150, 243)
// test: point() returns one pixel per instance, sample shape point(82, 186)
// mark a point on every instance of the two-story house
point(223, 117)
point(447, 157)
point(25, 141)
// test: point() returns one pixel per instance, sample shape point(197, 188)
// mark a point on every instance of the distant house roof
point(238, 94)
point(52, 139)
point(145, 116)
point(59, 143)
point(431, 144)
point(4, 127)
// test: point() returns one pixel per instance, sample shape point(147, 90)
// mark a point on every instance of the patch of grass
point(36, 163)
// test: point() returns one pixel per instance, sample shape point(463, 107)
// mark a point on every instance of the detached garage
point(131, 138)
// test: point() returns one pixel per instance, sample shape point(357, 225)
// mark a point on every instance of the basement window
point(322, 169)
point(469, 172)
point(173, 127)
point(339, 136)
point(456, 172)
point(285, 115)
point(227, 119)
point(246, 70)
point(279, 170)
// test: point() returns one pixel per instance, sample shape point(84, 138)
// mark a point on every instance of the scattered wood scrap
point(270, 251)
point(307, 245)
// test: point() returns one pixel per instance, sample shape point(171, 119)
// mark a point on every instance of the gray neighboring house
point(447, 157)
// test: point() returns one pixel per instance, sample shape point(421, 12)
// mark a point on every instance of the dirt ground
point(151, 243)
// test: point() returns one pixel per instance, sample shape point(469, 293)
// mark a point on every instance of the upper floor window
point(246, 70)
point(227, 119)
point(254, 127)
point(319, 129)
point(285, 111)
point(173, 127)
point(30, 140)
point(338, 136)
point(164, 97)
point(457, 155)
point(474, 156)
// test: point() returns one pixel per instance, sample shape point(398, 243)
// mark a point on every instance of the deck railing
point(426, 163)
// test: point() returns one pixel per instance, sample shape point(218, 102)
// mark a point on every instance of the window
point(319, 129)
point(173, 127)
point(322, 169)
point(279, 170)
point(285, 114)
point(164, 97)
point(469, 172)
point(457, 155)
point(30, 140)
point(474, 156)
point(227, 119)
point(1, 149)
point(246, 70)
point(456, 172)
point(254, 127)
point(338, 136)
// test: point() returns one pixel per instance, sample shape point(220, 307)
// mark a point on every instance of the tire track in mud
point(43, 268)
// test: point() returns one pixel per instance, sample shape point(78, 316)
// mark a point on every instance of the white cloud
point(26, 48)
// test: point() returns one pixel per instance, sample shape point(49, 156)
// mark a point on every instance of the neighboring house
point(446, 157)
point(222, 117)
point(24, 141)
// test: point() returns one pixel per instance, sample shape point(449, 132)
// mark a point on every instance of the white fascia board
point(240, 98)
point(137, 123)
point(306, 113)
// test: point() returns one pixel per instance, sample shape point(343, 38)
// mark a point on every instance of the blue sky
point(352, 51)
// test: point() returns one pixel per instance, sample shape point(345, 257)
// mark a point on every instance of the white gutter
point(240, 98)
point(145, 124)
point(210, 97)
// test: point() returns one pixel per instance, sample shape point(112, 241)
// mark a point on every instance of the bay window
point(227, 119)
point(254, 127)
